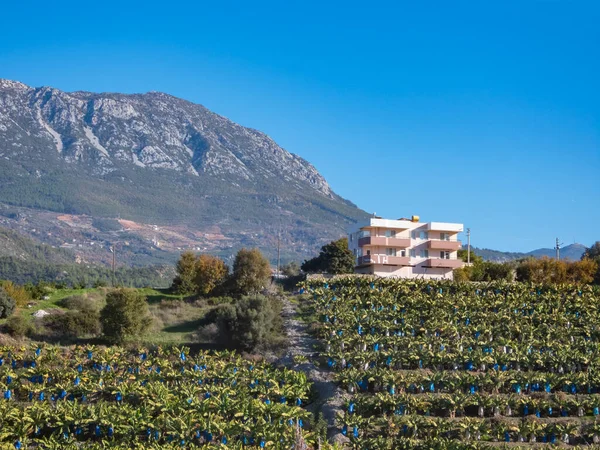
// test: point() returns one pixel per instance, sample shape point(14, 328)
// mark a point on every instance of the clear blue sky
point(482, 112)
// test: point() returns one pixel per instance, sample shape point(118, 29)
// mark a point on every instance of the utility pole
point(557, 248)
point(113, 249)
point(278, 249)
point(468, 246)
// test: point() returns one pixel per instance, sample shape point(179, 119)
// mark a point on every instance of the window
point(364, 233)
point(445, 236)
point(390, 251)
point(403, 253)
point(424, 253)
point(423, 235)
point(413, 253)
point(413, 234)
point(351, 237)
point(445, 255)
point(390, 233)
point(368, 252)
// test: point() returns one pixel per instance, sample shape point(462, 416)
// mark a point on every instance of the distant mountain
point(572, 252)
point(168, 173)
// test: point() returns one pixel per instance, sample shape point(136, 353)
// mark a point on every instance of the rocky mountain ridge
point(161, 163)
point(153, 130)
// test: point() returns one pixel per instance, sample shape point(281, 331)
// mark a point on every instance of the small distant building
point(405, 248)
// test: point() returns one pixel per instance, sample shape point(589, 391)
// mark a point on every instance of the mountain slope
point(23, 248)
point(572, 252)
point(154, 159)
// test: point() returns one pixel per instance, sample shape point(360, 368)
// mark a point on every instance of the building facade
point(405, 248)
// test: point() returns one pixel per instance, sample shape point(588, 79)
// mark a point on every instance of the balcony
point(444, 263)
point(384, 259)
point(443, 226)
point(384, 241)
point(441, 244)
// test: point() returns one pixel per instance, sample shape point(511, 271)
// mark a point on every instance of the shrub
point(251, 271)
point(125, 315)
point(291, 269)
point(82, 302)
point(74, 323)
point(213, 301)
point(7, 304)
point(252, 322)
point(75, 302)
point(18, 293)
point(18, 326)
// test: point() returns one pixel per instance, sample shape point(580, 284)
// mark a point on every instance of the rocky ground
point(330, 398)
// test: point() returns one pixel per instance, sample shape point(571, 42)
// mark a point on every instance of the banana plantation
point(86, 397)
point(436, 364)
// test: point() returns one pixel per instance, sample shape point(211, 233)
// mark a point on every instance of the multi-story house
point(405, 248)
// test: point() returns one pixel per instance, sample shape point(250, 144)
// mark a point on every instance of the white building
point(405, 248)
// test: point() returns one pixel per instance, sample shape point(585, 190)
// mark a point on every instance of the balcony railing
point(383, 241)
point(444, 244)
point(444, 263)
point(383, 259)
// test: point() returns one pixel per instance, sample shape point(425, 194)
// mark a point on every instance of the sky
point(485, 113)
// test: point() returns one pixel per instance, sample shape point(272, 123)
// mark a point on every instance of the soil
point(330, 398)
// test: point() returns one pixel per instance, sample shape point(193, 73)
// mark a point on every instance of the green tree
point(251, 271)
point(291, 269)
point(185, 281)
point(463, 254)
point(125, 315)
point(7, 304)
point(250, 323)
point(592, 252)
point(334, 258)
point(211, 272)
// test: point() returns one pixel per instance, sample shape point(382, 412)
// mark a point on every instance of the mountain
point(572, 252)
point(23, 248)
point(157, 174)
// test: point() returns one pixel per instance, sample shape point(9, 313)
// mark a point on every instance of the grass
point(175, 319)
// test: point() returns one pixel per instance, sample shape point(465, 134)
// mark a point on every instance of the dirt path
point(330, 398)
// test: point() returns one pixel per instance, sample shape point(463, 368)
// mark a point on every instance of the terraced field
point(435, 364)
point(55, 398)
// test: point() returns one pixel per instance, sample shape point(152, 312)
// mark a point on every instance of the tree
point(210, 273)
point(291, 269)
point(593, 253)
point(18, 293)
point(463, 254)
point(584, 271)
point(185, 281)
point(250, 323)
point(251, 271)
point(125, 315)
point(7, 304)
point(550, 271)
point(334, 258)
